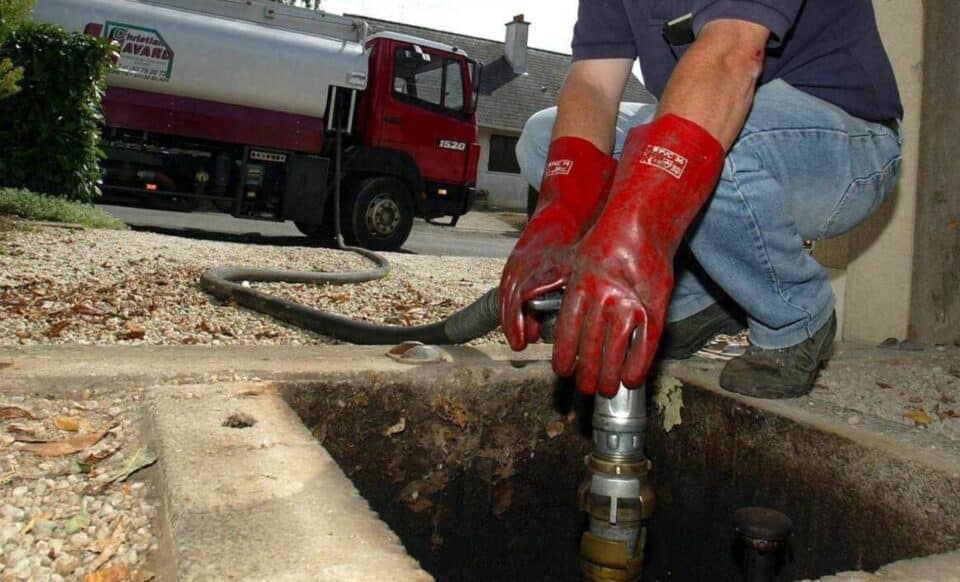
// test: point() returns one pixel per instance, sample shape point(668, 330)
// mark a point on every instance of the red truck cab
point(422, 103)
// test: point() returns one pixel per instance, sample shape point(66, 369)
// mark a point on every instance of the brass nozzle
point(618, 498)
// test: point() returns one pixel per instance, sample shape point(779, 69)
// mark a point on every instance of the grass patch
point(31, 206)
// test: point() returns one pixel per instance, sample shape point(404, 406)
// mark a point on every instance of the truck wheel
point(378, 214)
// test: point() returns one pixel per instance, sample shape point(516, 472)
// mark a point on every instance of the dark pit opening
point(481, 482)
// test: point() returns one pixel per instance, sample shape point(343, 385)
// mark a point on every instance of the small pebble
point(854, 420)
point(12, 513)
point(65, 564)
point(80, 539)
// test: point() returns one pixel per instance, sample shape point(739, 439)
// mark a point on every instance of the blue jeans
point(801, 169)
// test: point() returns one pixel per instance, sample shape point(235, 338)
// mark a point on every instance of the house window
point(503, 154)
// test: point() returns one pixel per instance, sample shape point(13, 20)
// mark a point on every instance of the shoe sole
point(722, 326)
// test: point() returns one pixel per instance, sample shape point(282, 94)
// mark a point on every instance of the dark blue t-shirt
point(828, 48)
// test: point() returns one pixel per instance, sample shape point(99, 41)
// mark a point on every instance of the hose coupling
point(616, 495)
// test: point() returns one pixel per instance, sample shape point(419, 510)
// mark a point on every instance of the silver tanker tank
point(248, 53)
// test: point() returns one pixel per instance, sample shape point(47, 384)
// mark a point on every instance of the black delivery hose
point(227, 283)
point(473, 321)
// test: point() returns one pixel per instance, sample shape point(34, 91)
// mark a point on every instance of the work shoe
point(784, 373)
point(681, 339)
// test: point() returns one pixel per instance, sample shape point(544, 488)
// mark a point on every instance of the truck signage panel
point(143, 52)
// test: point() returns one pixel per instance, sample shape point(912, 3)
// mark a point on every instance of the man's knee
point(533, 144)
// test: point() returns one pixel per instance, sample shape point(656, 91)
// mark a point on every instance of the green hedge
point(50, 130)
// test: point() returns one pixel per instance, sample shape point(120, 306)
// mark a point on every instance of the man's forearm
point(590, 99)
point(714, 82)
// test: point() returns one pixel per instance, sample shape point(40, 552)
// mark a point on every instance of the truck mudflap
point(447, 200)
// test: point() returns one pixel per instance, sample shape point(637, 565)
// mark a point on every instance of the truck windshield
point(428, 80)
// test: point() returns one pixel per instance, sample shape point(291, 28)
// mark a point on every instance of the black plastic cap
point(762, 523)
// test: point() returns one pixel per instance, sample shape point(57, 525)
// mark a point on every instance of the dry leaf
point(502, 497)
point(107, 547)
point(92, 459)
point(555, 429)
point(504, 470)
point(67, 423)
point(6, 364)
point(84, 309)
point(56, 329)
point(134, 332)
point(944, 414)
point(8, 412)
point(8, 477)
point(955, 224)
point(28, 434)
point(397, 428)
point(115, 573)
point(42, 517)
point(143, 458)
point(419, 504)
point(451, 411)
point(919, 417)
point(65, 447)
point(78, 522)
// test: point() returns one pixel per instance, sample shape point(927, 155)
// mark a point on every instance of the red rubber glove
point(623, 268)
point(577, 177)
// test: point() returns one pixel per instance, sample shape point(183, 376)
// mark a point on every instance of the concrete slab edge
point(260, 502)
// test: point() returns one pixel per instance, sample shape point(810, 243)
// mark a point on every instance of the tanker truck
point(263, 111)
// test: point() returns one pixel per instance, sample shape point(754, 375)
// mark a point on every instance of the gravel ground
point(60, 516)
point(918, 389)
point(65, 286)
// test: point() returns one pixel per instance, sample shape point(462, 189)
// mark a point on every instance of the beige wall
point(506, 190)
point(872, 267)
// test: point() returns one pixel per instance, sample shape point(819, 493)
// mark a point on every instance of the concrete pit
point(479, 479)
point(270, 461)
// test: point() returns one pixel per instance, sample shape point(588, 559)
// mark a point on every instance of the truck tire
point(377, 214)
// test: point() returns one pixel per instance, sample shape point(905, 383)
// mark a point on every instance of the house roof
point(507, 99)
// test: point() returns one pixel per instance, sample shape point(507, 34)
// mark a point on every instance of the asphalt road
point(477, 235)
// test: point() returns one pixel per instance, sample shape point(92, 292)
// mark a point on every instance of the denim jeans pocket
point(861, 199)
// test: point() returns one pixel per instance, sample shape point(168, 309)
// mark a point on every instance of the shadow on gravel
point(252, 238)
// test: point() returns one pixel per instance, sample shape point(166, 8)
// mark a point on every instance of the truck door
point(426, 114)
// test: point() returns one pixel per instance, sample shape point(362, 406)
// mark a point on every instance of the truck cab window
point(453, 90)
point(417, 78)
point(433, 82)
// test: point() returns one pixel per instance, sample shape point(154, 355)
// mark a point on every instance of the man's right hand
point(576, 180)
